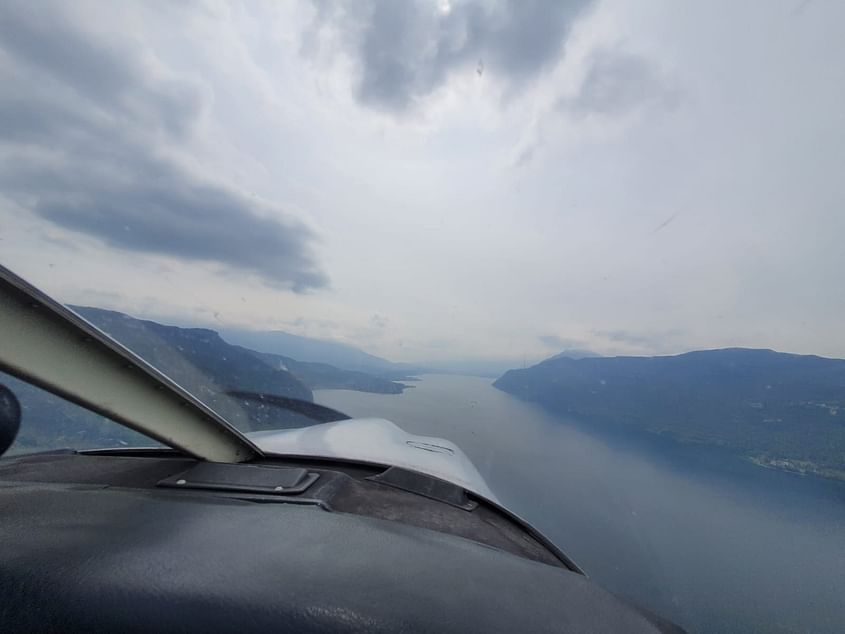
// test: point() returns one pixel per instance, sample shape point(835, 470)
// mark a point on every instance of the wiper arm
point(312, 411)
point(50, 346)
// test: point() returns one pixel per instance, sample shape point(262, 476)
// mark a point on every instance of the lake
point(709, 540)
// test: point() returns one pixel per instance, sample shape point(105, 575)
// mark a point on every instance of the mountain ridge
point(309, 349)
point(777, 409)
point(206, 365)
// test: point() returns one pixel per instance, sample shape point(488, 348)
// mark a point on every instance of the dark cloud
point(406, 50)
point(616, 83)
point(56, 52)
point(162, 210)
point(87, 132)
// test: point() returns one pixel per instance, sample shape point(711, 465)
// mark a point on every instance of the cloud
point(652, 341)
point(104, 73)
point(90, 133)
point(611, 84)
point(405, 51)
point(559, 343)
point(378, 322)
point(616, 83)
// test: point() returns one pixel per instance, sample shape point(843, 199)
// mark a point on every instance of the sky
point(435, 180)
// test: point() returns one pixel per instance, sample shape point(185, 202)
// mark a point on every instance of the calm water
point(708, 540)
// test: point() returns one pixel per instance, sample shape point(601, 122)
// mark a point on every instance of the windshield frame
point(60, 352)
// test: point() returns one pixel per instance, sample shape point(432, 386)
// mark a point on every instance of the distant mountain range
point(780, 410)
point(203, 363)
point(487, 368)
point(322, 351)
point(492, 368)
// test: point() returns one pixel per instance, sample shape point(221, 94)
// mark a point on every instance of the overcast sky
point(435, 179)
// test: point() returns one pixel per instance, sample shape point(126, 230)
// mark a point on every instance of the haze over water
point(710, 541)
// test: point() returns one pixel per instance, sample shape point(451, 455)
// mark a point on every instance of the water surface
point(708, 540)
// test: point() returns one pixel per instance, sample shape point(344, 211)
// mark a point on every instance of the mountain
point(487, 368)
point(780, 410)
point(492, 368)
point(322, 376)
point(304, 349)
point(207, 366)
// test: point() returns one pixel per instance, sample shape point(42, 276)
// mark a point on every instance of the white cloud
point(435, 243)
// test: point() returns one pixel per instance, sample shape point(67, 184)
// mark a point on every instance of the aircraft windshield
point(595, 244)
